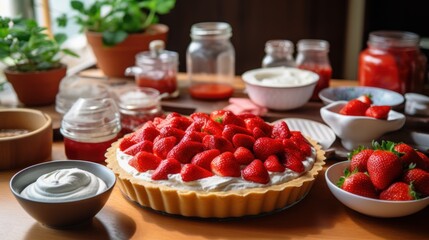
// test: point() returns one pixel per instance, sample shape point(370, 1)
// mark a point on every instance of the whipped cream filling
point(64, 185)
point(213, 183)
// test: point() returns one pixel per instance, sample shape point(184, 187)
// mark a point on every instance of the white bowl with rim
point(280, 88)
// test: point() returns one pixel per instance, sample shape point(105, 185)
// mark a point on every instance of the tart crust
point(233, 203)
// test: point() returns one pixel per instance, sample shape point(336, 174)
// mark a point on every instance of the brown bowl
point(25, 149)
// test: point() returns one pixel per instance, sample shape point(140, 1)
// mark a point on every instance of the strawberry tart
point(215, 165)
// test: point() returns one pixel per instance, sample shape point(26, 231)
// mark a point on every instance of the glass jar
point(210, 61)
point(89, 128)
point(313, 55)
point(278, 53)
point(156, 68)
point(392, 61)
point(138, 105)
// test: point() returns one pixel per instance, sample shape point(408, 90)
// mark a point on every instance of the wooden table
point(318, 216)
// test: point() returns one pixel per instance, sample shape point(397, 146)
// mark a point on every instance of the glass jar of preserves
point(156, 68)
point(278, 53)
point(392, 61)
point(313, 56)
point(137, 105)
point(89, 128)
point(210, 61)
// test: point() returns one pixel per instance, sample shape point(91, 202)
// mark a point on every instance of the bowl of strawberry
point(358, 121)
point(387, 180)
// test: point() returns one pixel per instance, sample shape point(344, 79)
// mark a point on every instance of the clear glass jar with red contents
point(138, 105)
point(89, 128)
point(156, 68)
point(313, 55)
point(392, 61)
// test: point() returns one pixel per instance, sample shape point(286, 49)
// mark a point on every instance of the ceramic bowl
point(369, 206)
point(280, 88)
point(359, 130)
point(65, 213)
point(380, 96)
point(416, 104)
point(31, 142)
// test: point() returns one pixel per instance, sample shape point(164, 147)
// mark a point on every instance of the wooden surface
point(318, 216)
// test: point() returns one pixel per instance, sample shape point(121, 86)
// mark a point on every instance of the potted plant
point(33, 60)
point(119, 29)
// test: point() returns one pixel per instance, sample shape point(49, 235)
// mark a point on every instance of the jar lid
point(313, 44)
point(157, 55)
point(393, 38)
point(91, 120)
point(134, 98)
point(283, 46)
point(211, 29)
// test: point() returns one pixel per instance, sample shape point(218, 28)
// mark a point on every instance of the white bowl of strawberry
point(387, 180)
point(358, 122)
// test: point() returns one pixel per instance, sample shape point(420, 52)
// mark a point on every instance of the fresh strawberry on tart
point(216, 165)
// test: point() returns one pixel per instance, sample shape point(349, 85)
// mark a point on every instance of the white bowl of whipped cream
point(280, 88)
point(63, 193)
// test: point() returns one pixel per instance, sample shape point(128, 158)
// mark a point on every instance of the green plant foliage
point(115, 19)
point(26, 47)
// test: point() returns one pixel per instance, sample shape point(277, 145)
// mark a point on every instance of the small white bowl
point(280, 88)
point(65, 213)
point(369, 206)
point(416, 104)
point(359, 130)
point(380, 96)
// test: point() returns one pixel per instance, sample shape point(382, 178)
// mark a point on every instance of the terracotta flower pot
point(115, 59)
point(36, 88)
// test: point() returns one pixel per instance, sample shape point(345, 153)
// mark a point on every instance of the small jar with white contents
point(138, 105)
point(89, 128)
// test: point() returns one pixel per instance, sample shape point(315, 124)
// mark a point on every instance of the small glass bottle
point(210, 61)
point(313, 55)
point(393, 61)
point(156, 68)
point(89, 128)
point(278, 53)
point(138, 105)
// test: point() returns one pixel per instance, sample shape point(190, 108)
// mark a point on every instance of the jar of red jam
point(156, 68)
point(137, 105)
point(392, 61)
point(313, 56)
point(89, 128)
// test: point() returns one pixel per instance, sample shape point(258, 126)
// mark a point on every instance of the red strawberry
point(281, 130)
point(256, 172)
point(171, 131)
point(359, 158)
point(163, 146)
point(230, 130)
point(272, 164)
point(246, 115)
point(146, 132)
point(199, 116)
point(265, 147)
point(167, 166)
point(144, 145)
point(291, 150)
point(172, 115)
point(178, 122)
point(213, 128)
point(398, 191)
point(243, 156)
point(384, 166)
point(216, 142)
point(230, 118)
point(192, 172)
point(144, 161)
point(243, 140)
point(357, 183)
point(196, 126)
point(409, 155)
point(365, 99)
point(301, 142)
point(204, 159)
point(258, 122)
point(379, 112)
point(218, 116)
point(354, 107)
point(294, 164)
point(420, 180)
point(127, 142)
point(225, 165)
point(425, 161)
point(258, 133)
point(193, 136)
point(184, 152)
point(157, 120)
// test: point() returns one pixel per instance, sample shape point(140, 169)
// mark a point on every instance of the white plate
point(318, 131)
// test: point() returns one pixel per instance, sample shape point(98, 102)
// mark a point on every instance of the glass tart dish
point(219, 202)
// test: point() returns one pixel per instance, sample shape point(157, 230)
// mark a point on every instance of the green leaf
point(62, 20)
point(113, 38)
point(60, 38)
point(77, 5)
point(69, 52)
